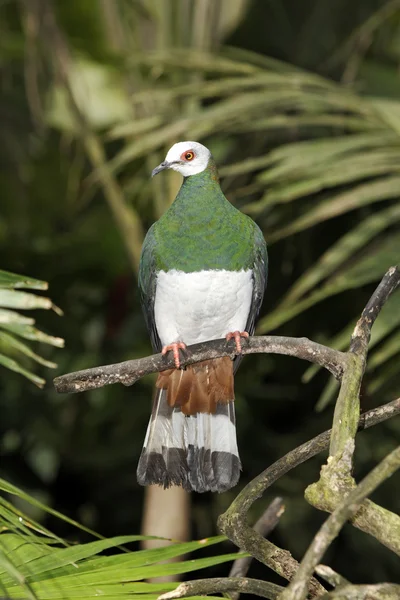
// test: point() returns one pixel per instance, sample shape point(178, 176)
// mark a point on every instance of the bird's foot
point(174, 347)
point(236, 335)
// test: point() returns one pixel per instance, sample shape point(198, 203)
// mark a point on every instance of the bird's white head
point(188, 158)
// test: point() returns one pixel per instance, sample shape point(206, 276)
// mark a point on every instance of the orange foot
point(175, 347)
point(236, 335)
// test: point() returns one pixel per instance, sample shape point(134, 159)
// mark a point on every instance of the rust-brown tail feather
point(191, 438)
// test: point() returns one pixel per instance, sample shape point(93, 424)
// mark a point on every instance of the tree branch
point(336, 480)
point(362, 332)
point(201, 587)
point(298, 587)
point(330, 576)
point(265, 524)
point(380, 591)
point(233, 523)
point(130, 371)
point(347, 408)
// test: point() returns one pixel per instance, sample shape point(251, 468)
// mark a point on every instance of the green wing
point(147, 287)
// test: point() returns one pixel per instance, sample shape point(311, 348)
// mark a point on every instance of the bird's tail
point(191, 437)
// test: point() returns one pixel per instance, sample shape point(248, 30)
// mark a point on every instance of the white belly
point(196, 307)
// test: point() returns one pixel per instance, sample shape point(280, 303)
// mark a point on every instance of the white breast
point(196, 307)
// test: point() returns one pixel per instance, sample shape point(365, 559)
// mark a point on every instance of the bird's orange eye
point(188, 155)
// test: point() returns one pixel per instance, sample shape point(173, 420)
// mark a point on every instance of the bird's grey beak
point(161, 167)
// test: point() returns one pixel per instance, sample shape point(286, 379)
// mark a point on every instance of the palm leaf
point(13, 325)
point(36, 564)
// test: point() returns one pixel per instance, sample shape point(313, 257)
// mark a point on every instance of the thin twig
point(298, 587)
point(330, 576)
point(245, 585)
point(362, 332)
point(130, 371)
point(265, 524)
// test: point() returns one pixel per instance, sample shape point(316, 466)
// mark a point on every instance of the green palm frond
point(36, 564)
point(14, 353)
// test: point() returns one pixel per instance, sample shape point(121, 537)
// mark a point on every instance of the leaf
point(36, 566)
point(17, 517)
point(385, 352)
point(60, 562)
point(113, 573)
point(31, 333)
point(24, 349)
point(11, 364)
point(389, 319)
point(301, 157)
point(10, 316)
point(366, 269)
point(342, 250)
point(330, 391)
point(25, 301)
point(98, 91)
point(376, 191)
point(389, 111)
point(11, 280)
point(12, 321)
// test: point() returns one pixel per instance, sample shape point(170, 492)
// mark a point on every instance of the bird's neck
point(200, 192)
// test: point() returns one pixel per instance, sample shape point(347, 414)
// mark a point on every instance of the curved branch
point(215, 585)
point(233, 523)
point(347, 409)
point(298, 587)
point(130, 371)
point(265, 524)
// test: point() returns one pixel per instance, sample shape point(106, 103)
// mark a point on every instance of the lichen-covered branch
point(130, 371)
point(347, 408)
point(233, 523)
point(244, 585)
point(336, 480)
point(298, 587)
point(265, 524)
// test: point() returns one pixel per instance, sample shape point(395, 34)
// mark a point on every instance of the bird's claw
point(174, 347)
point(237, 335)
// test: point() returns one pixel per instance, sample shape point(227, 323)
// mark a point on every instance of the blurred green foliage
point(93, 94)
